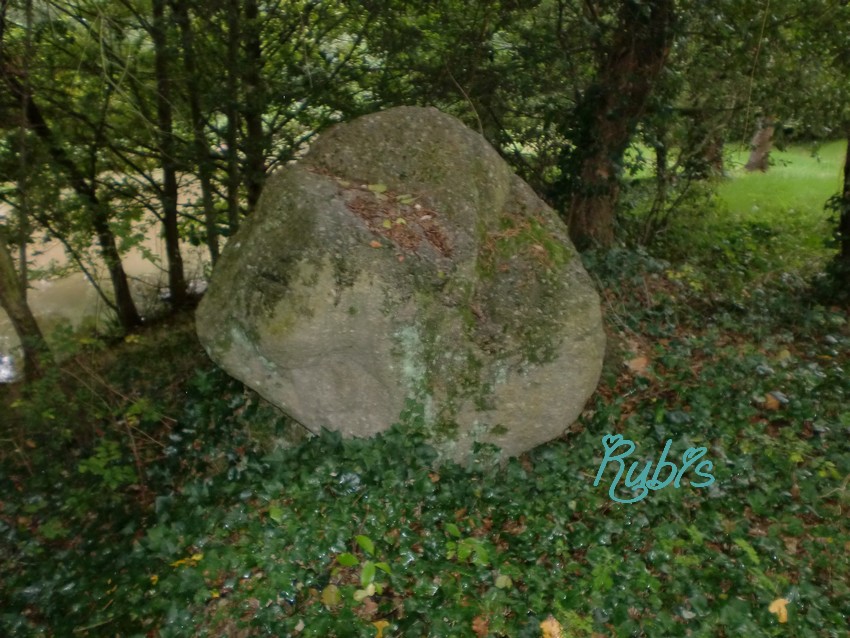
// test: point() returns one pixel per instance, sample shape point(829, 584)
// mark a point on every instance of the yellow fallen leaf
point(551, 628)
point(331, 596)
point(771, 402)
point(380, 625)
point(193, 560)
point(154, 579)
point(778, 607)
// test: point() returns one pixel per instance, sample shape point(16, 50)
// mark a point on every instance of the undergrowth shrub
point(191, 508)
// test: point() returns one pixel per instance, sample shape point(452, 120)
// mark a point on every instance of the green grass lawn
point(776, 219)
point(790, 196)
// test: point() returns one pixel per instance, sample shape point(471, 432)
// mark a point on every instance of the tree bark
point(202, 154)
point(14, 302)
point(254, 106)
point(703, 147)
point(168, 190)
point(124, 307)
point(606, 116)
point(760, 146)
point(234, 177)
point(844, 222)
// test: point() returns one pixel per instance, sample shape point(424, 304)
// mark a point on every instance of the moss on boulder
point(401, 259)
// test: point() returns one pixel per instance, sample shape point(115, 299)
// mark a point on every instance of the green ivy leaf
point(749, 550)
point(367, 574)
point(504, 582)
point(366, 544)
point(347, 560)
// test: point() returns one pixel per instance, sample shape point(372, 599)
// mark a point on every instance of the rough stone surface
point(402, 259)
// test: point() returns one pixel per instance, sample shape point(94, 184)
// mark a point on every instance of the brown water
point(72, 300)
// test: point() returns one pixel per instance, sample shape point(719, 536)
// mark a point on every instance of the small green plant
point(370, 585)
point(106, 464)
point(466, 549)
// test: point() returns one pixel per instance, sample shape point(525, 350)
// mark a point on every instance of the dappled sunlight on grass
point(789, 198)
point(757, 224)
point(799, 182)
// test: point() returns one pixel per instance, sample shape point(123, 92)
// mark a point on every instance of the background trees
point(125, 113)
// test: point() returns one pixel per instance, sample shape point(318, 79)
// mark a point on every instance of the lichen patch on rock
point(400, 261)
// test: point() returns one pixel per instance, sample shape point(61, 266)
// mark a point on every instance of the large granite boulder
point(400, 260)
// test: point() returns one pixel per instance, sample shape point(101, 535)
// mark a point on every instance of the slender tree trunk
point(234, 177)
point(606, 116)
point(760, 146)
point(202, 155)
point(713, 153)
point(13, 301)
point(254, 106)
point(844, 221)
point(703, 147)
point(168, 191)
point(23, 187)
point(656, 216)
point(125, 307)
point(23, 214)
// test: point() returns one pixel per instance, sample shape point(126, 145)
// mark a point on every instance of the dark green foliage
point(232, 534)
point(145, 493)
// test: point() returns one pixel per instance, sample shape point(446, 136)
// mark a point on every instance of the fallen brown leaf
point(480, 626)
point(638, 366)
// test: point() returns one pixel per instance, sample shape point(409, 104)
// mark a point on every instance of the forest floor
point(144, 493)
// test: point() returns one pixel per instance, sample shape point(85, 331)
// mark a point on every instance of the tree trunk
point(202, 155)
point(254, 106)
point(844, 222)
point(13, 301)
point(713, 153)
point(168, 190)
point(234, 178)
point(23, 151)
point(703, 147)
point(760, 146)
point(124, 306)
point(605, 119)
